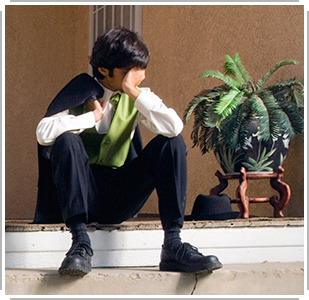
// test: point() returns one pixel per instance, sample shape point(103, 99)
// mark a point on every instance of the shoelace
point(185, 248)
point(80, 249)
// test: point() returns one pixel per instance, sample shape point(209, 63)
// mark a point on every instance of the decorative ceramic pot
point(257, 155)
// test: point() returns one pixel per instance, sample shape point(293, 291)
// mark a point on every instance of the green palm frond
point(259, 111)
point(223, 114)
point(230, 130)
point(195, 131)
point(234, 129)
point(197, 100)
point(228, 102)
point(235, 67)
point(284, 124)
point(286, 84)
point(262, 81)
point(208, 139)
point(288, 91)
point(200, 117)
point(225, 78)
point(294, 116)
point(213, 119)
point(298, 95)
point(279, 121)
point(290, 97)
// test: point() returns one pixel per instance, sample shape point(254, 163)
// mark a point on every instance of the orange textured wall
point(45, 47)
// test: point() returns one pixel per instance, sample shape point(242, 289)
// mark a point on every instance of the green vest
point(110, 149)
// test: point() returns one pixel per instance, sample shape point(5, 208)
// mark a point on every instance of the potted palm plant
point(246, 124)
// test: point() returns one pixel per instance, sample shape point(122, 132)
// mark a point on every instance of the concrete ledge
point(138, 243)
point(241, 279)
point(153, 223)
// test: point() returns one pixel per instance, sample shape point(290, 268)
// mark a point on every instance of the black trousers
point(111, 196)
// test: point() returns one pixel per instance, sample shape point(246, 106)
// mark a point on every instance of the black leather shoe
point(77, 261)
point(186, 258)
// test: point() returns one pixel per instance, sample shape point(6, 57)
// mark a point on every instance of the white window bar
point(103, 17)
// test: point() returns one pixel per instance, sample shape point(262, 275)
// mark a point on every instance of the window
point(103, 17)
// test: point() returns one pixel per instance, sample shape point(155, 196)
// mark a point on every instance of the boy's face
point(113, 83)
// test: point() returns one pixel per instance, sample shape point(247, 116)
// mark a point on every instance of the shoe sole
point(77, 269)
point(73, 272)
point(174, 267)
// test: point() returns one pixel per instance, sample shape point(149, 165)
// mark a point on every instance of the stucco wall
point(47, 45)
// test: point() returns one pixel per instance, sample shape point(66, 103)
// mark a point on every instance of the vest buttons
point(106, 142)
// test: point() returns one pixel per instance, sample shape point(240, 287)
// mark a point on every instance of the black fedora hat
point(212, 207)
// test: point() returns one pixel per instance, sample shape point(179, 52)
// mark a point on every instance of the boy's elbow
point(176, 130)
point(43, 141)
point(42, 138)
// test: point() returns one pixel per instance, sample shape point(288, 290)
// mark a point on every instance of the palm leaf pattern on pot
point(261, 163)
point(227, 159)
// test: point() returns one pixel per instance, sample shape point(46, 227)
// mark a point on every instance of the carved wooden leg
point(221, 186)
point(284, 191)
point(241, 194)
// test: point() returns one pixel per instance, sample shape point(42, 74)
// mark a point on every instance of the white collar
point(107, 93)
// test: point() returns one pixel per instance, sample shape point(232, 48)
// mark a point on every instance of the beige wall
point(47, 45)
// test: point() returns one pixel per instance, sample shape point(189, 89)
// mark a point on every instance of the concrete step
point(261, 256)
point(241, 279)
point(137, 243)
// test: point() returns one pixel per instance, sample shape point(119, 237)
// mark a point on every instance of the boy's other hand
point(97, 108)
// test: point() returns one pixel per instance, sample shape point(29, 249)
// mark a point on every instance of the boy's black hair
point(118, 48)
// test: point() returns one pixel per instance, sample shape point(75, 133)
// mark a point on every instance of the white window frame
point(98, 20)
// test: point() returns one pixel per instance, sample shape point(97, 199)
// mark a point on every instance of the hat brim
point(223, 216)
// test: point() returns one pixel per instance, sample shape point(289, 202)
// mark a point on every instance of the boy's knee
point(176, 143)
point(68, 145)
point(69, 142)
point(67, 138)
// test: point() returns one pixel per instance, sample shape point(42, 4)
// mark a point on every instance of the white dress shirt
point(152, 112)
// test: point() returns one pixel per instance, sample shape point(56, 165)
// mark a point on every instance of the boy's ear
point(103, 71)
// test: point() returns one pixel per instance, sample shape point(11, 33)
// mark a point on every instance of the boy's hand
point(131, 80)
point(97, 108)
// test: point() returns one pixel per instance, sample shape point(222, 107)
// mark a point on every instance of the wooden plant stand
point(243, 201)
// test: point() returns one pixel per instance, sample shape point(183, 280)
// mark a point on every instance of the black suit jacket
point(80, 89)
